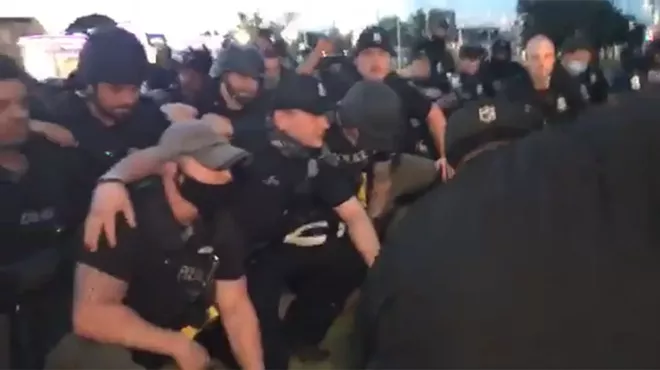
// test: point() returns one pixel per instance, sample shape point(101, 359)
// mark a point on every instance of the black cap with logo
point(374, 37)
point(485, 121)
point(302, 92)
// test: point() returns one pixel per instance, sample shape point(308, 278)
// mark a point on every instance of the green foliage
point(410, 29)
point(417, 23)
point(598, 20)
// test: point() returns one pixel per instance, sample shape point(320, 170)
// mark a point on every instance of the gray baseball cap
point(203, 143)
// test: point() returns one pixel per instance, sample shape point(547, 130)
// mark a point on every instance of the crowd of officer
point(156, 216)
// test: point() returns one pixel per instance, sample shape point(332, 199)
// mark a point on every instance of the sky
point(191, 17)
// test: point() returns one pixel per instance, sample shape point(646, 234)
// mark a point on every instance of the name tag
point(32, 217)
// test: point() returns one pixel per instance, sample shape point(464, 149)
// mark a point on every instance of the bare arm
point(137, 165)
point(380, 192)
point(360, 228)
point(323, 47)
point(99, 314)
point(240, 322)
point(308, 66)
point(437, 124)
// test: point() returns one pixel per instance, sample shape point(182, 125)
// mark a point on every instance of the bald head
point(540, 60)
point(539, 42)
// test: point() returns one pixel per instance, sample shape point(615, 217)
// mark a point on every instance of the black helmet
point(199, 60)
point(500, 47)
point(244, 60)
point(472, 52)
point(114, 56)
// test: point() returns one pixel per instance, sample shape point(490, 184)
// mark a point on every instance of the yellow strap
point(211, 315)
point(362, 192)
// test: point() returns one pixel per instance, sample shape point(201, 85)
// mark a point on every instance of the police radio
point(201, 314)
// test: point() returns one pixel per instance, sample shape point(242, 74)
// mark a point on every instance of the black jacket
point(542, 253)
point(560, 104)
point(593, 85)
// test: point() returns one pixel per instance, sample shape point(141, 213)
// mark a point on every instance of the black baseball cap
point(575, 43)
point(374, 37)
point(376, 111)
point(487, 120)
point(302, 92)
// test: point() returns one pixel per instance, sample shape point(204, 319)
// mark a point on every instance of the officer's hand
point(179, 112)
point(222, 125)
point(108, 200)
point(324, 47)
point(446, 171)
point(54, 133)
point(191, 355)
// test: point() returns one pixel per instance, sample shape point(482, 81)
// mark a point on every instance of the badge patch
point(561, 104)
point(487, 114)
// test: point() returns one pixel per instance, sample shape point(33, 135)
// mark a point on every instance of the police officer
point(646, 71)
point(167, 271)
point(362, 143)
point(577, 59)
point(194, 66)
point(275, 70)
point(425, 134)
point(518, 285)
point(283, 172)
point(235, 91)
point(238, 74)
point(435, 48)
point(40, 210)
point(162, 74)
point(500, 67)
point(267, 39)
point(108, 117)
point(546, 86)
point(468, 83)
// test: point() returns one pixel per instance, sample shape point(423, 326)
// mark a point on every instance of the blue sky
point(190, 17)
point(473, 11)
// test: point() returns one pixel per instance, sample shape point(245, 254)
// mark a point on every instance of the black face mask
point(206, 198)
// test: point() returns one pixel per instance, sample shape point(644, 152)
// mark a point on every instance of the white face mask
point(576, 67)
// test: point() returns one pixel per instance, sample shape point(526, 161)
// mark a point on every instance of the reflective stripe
point(297, 238)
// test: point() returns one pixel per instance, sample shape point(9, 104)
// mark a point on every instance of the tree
point(250, 23)
point(339, 40)
point(88, 22)
point(417, 23)
point(598, 20)
point(406, 33)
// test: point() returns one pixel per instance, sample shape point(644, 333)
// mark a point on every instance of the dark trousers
point(32, 326)
point(322, 277)
point(321, 288)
